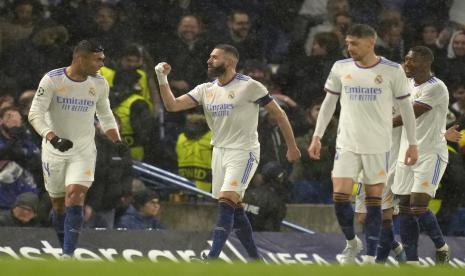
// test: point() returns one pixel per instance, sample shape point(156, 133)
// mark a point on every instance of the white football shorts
point(60, 172)
point(423, 177)
point(348, 164)
point(232, 169)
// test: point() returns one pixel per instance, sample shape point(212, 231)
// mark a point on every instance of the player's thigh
point(81, 170)
point(218, 171)
point(375, 168)
point(347, 165)
point(54, 170)
point(403, 179)
point(240, 167)
point(427, 174)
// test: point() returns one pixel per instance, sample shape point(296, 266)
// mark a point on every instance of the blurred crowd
point(289, 46)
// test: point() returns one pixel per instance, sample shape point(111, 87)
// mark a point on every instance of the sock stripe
point(419, 210)
point(373, 201)
point(404, 209)
point(340, 197)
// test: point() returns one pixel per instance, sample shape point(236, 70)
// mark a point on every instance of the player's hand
point(163, 68)
point(293, 154)
point(61, 144)
point(452, 134)
point(411, 156)
point(314, 148)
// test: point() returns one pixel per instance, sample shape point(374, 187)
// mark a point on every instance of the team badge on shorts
point(231, 94)
point(233, 183)
point(92, 91)
point(378, 79)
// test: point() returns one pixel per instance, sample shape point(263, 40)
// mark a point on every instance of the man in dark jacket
point(113, 175)
point(142, 213)
point(23, 213)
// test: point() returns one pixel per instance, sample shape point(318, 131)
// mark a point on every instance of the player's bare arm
point(452, 134)
point(293, 152)
point(171, 103)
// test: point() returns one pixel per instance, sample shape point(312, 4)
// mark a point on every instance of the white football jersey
point(68, 108)
point(366, 97)
point(231, 111)
point(431, 125)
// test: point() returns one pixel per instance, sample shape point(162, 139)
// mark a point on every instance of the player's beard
point(216, 71)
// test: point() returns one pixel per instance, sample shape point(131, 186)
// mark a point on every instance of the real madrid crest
point(231, 94)
point(92, 91)
point(378, 79)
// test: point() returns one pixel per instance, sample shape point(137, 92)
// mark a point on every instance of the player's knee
point(341, 197)
point(75, 198)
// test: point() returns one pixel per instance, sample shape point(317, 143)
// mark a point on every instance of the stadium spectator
point(240, 35)
point(24, 16)
point(338, 24)
point(324, 52)
point(390, 43)
point(187, 52)
point(23, 213)
point(272, 143)
point(130, 98)
point(265, 200)
point(44, 50)
point(17, 144)
point(113, 174)
point(458, 103)
point(142, 213)
point(94, 220)
point(76, 16)
point(312, 178)
point(14, 180)
point(455, 62)
point(110, 32)
point(194, 152)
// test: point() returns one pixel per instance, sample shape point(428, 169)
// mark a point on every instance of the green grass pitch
point(142, 268)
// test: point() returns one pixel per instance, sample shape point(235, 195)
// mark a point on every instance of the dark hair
point(133, 50)
point(361, 31)
point(234, 12)
point(228, 49)
point(87, 47)
point(329, 41)
point(424, 53)
point(4, 110)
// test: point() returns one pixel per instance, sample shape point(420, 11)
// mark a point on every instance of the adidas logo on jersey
point(348, 77)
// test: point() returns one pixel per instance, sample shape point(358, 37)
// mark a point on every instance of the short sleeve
point(197, 94)
point(258, 91)
point(431, 96)
point(333, 82)
point(400, 85)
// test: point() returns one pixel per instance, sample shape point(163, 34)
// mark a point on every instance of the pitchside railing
point(165, 179)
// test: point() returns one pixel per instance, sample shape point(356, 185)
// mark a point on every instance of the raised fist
point(163, 68)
